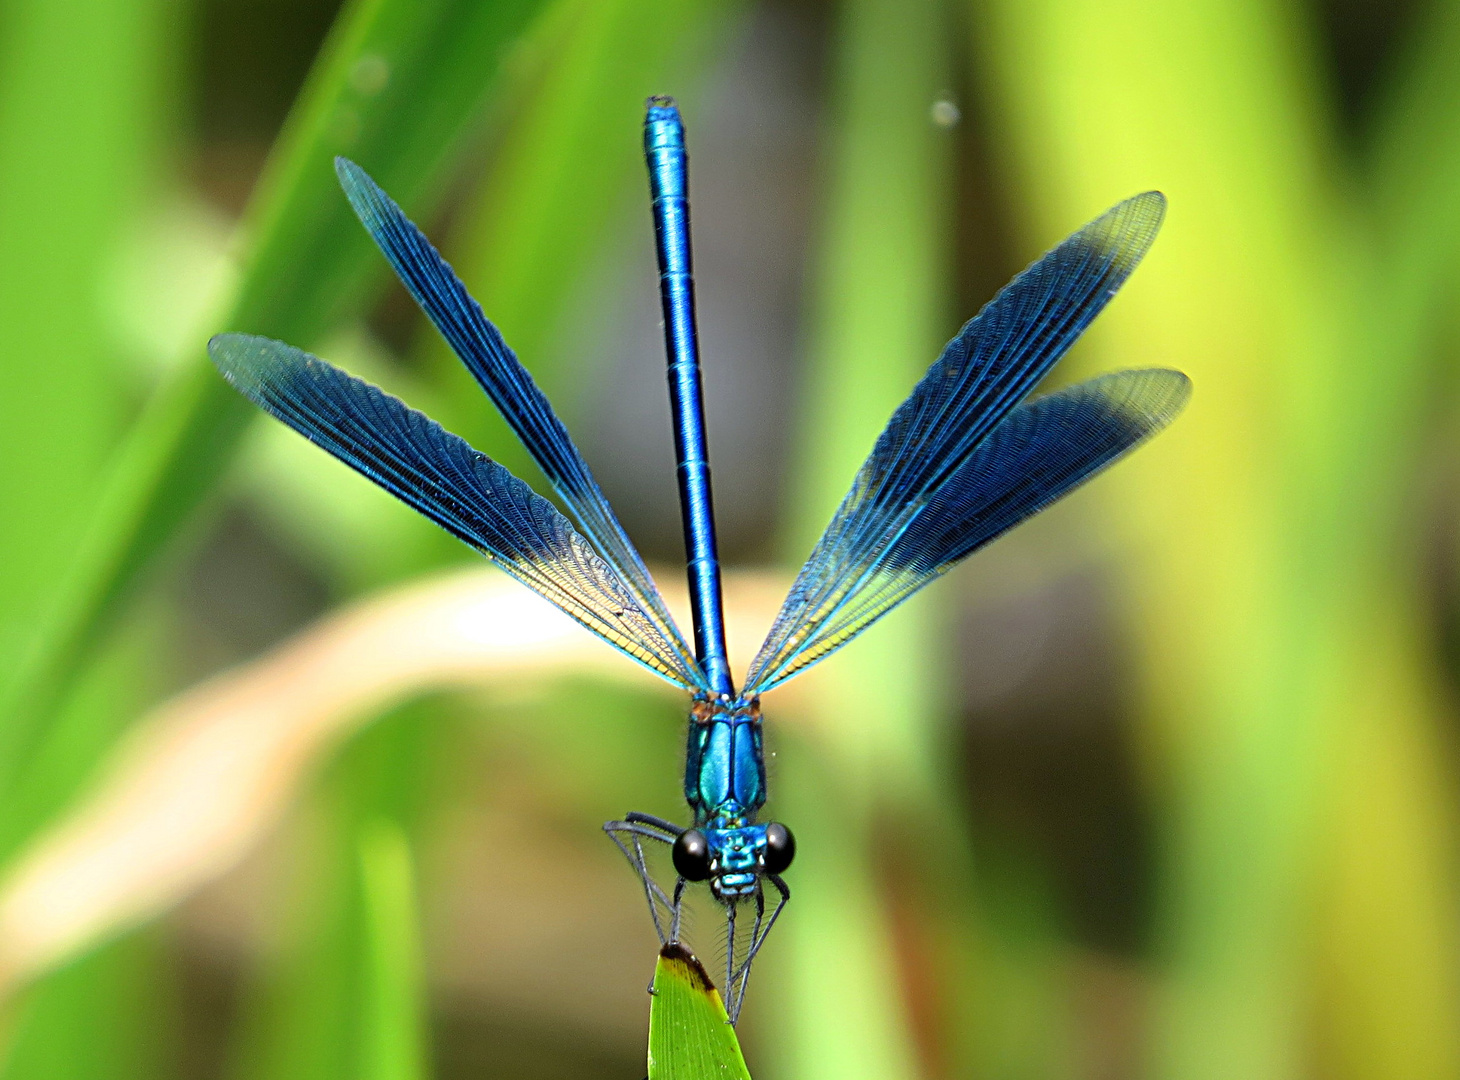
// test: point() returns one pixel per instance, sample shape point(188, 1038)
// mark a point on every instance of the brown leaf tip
point(676, 953)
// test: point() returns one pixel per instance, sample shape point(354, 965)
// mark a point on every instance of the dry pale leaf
point(201, 780)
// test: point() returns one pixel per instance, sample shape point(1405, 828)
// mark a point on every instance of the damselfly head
point(733, 860)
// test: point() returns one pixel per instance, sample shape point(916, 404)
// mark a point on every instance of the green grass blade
point(690, 1037)
point(308, 255)
point(879, 317)
point(1227, 632)
point(396, 89)
point(339, 989)
point(299, 1001)
point(1386, 991)
point(84, 121)
point(1389, 976)
point(103, 1017)
point(569, 166)
point(829, 970)
point(1270, 520)
point(1411, 159)
point(79, 95)
point(393, 1041)
point(1412, 168)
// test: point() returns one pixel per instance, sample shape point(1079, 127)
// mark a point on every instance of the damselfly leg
point(738, 978)
point(630, 834)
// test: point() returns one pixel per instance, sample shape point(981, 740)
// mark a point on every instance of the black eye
point(780, 847)
point(692, 855)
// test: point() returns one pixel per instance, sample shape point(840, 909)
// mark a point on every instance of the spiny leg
point(785, 891)
point(742, 977)
point(651, 887)
point(730, 961)
point(653, 893)
point(678, 902)
point(758, 937)
point(654, 828)
point(633, 817)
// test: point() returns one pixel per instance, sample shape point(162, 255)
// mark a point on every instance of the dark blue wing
point(993, 363)
point(1043, 450)
point(459, 488)
point(525, 408)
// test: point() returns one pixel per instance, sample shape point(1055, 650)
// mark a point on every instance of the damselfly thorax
point(724, 772)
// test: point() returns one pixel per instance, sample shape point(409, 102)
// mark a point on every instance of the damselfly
point(965, 458)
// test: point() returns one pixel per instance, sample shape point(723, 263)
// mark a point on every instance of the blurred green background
point(1163, 785)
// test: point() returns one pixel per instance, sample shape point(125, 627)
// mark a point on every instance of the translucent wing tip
point(347, 171)
point(1125, 232)
point(238, 357)
point(219, 344)
point(1152, 397)
point(1154, 199)
point(369, 202)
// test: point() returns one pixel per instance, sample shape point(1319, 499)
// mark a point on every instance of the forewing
point(522, 404)
point(459, 488)
point(989, 367)
point(1041, 451)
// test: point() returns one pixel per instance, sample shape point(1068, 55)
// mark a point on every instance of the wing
point(994, 362)
point(1043, 450)
point(525, 408)
point(459, 488)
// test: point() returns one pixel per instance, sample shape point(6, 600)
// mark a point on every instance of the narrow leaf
point(393, 1040)
point(690, 1036)
point(397, 87)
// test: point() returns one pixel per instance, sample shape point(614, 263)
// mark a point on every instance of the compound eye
point(780, 847)
point(692, 855)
